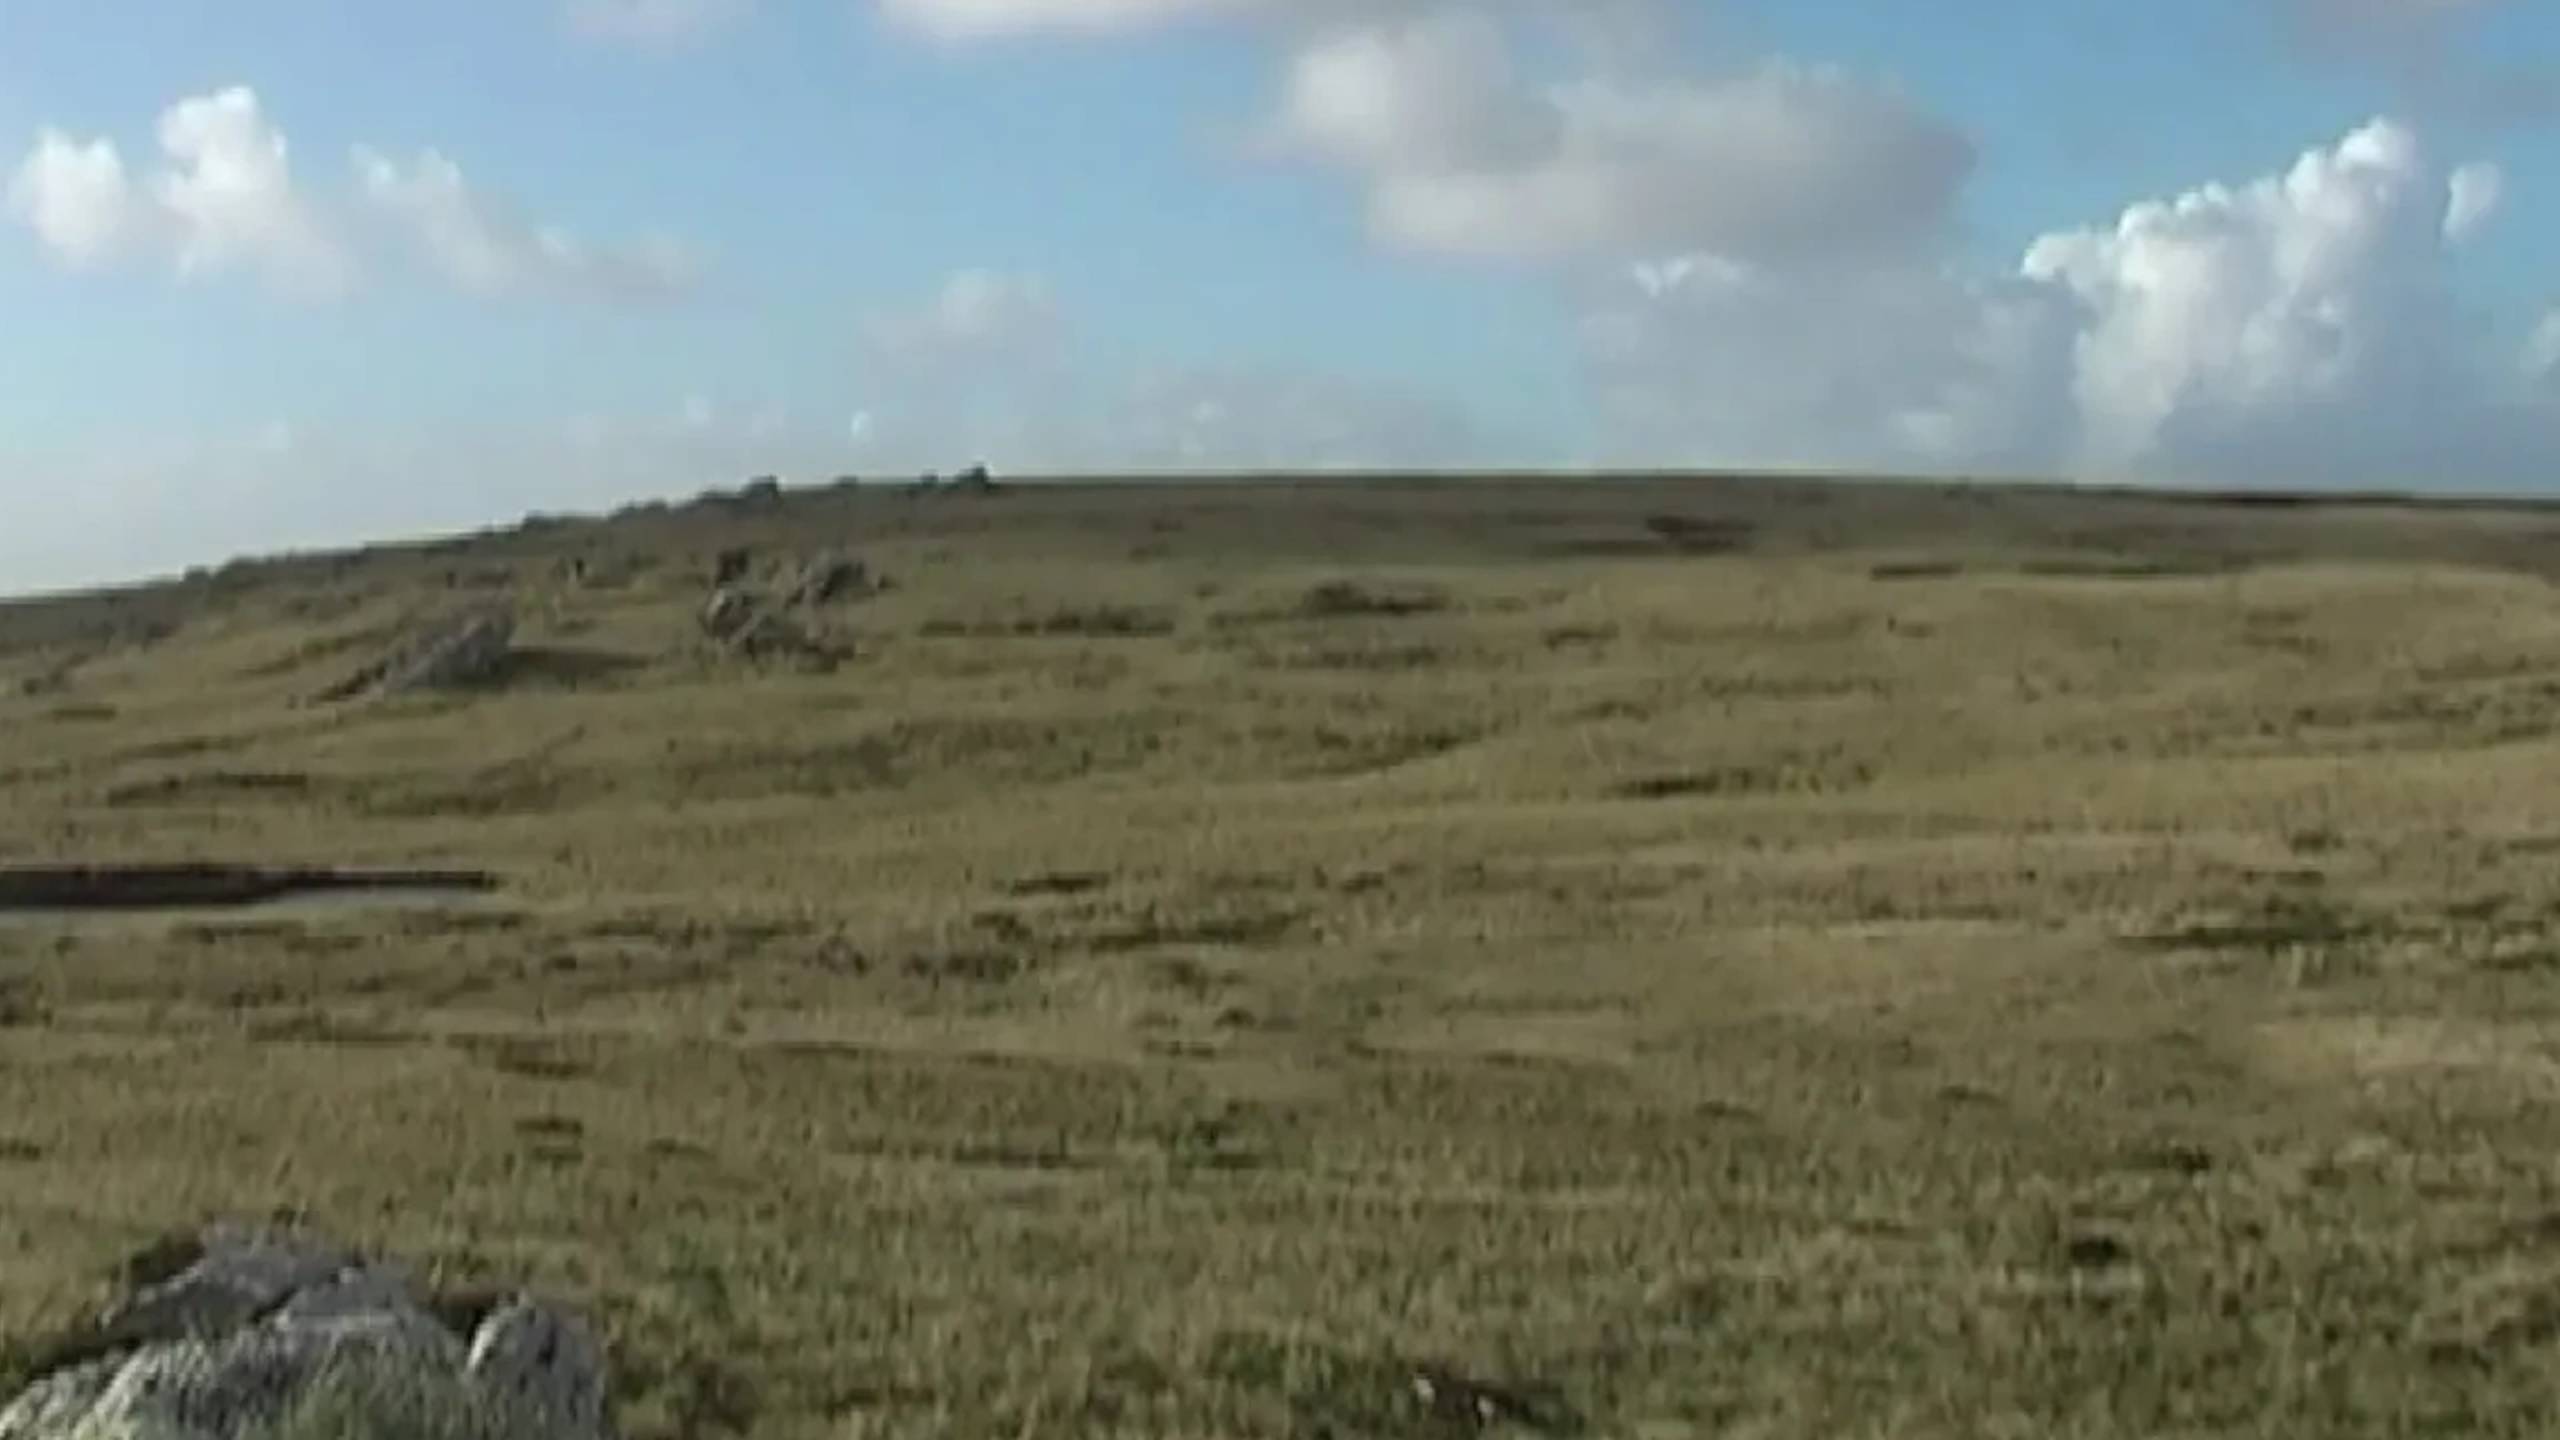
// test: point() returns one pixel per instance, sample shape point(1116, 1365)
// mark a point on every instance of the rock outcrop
point(830, 577)
point(471, 649)
point(269, 1334)
point(729, 611)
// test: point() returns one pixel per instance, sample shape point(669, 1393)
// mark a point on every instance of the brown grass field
point(1696, 957)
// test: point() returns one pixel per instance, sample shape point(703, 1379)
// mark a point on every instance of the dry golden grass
point(1702, 958)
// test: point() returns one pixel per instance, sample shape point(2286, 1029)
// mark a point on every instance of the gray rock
point(729, 611)
point(241, 1275)
point(540, 1362)
point(58, 1402)
point(456, 654)
point(264, 1329)
point(830, 577)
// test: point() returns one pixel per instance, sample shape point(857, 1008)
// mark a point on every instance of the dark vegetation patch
point(132, 887)
point(1060, 882)
point(1794, 775)
point(1092, 622)
point(1349, 599)
point(1301, 1385)
point(212, 786)
point(1562, 636)
point(1915, 570)
point(528, 1057)
point(1699, 534)
point(1380, 658)
point(967, 965)
point(560, 667)
point(985, 749)
point(1152, 925)
point(2135, 567)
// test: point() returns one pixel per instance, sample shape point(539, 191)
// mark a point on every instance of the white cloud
point(1437, 93)
point(230, 191)
point(2542, 352)
point(75, 197)
point(1707, 361)
point(2297, 328)
point(481, 246)
point(2227, 309)
point(2477, 189)
point(651, 23)
point(224, 200)
point(1459, 156)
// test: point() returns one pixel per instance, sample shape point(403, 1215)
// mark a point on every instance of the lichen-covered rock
point(468, 651)
point(237, 1275)
point(539, 1362)
point(271, 1337)
point(831, 577)
point(57, 1403)
point(728, 611)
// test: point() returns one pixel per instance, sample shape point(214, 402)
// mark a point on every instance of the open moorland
point(1663, 958)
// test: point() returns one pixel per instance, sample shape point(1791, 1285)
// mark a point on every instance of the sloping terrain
point(1690, 957)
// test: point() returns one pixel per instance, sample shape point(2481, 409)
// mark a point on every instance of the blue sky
point(528, 254)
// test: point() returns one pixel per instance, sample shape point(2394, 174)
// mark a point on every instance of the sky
point(285, 273)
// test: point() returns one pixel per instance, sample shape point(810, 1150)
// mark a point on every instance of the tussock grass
point(1404, 960)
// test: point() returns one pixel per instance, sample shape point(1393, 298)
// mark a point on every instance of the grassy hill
point(1693, 956)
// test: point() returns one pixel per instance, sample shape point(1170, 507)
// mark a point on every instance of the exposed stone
point(468, 651)
point(830, 577)
point(536, 1360)
point(261, 1327)
point(471, 649)
point(729, 611)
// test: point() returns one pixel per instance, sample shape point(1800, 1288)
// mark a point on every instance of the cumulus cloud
point(224, 199)
point(654, 24)
point(2299, 327)
point(75, 197)
point(2477, 191)
point(1459, 156)
point(1708, 361)
point(483, 246)
point(229, 190)
point(2542, 351)
point(2315, 294)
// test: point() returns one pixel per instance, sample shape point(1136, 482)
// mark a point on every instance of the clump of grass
point(1351, 599)
point(1095, 622)
point(364, 1399)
